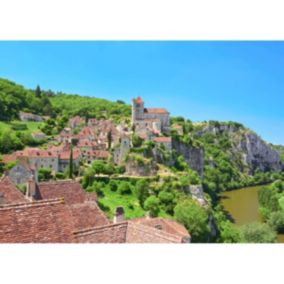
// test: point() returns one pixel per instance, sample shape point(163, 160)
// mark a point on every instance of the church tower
point(137, 109)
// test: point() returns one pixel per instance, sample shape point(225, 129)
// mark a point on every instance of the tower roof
point(138, 100)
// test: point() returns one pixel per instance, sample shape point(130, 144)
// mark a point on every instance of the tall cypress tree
point(109, 138)
point(38, 91)
point(71, 162)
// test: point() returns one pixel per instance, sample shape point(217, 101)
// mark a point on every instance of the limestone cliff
point(194, 156)
point(243, 146)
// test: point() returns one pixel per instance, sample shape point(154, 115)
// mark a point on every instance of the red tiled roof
point(71, 191)
point(9, 158)
point(163, 139)
point(165, 225)
point(138, 100)
point(156, 110)
point(126, 232)
point(35, 152)
point(48, 221)
point(87, 143)
point(100, 154)
point(88, 215)
point(65, 155)
point(9, 192)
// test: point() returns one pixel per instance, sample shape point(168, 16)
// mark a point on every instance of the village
point(59, 210)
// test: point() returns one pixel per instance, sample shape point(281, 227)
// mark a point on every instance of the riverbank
point(242, 206)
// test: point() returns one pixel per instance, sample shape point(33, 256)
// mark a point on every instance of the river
point(242, 205)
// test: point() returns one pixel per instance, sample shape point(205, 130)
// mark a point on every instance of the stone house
point(38, 135)
point(76, 121)
point(38, 158)
point(121, 149)
point(64, 159)
point(165, 141)
point(21, 173)
point(25, 116)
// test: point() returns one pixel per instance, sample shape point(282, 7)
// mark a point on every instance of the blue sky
point(239, 81)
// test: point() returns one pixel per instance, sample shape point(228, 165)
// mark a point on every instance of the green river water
point(242, 205)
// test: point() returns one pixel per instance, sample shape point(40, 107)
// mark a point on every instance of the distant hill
point(15, 98)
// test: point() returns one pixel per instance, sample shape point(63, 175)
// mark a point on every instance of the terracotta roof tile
point(36, 222)
point(165, 225)
point(71, 191)
point(9, 192)
point(163, 139)
point(156, 110)
point(88, 215)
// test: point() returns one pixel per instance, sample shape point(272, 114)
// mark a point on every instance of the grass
point(31, 125)
point(129, 202)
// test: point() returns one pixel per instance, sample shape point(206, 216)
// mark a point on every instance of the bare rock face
point(145, 167)
point(255, 153)
point(193, 156)
point(258, 154)
point(196, 191)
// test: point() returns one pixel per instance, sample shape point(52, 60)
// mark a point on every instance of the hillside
point(71, 105)
point(280, 150)
point(15, 98)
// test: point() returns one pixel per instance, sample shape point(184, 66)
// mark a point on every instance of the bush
point(276, 221)
point(257, 233)
point(124, 188)
point(195, 219)
point(44, 174)
point(60, 175)
point(113, 185)
point(142, 191)
point(151, 204)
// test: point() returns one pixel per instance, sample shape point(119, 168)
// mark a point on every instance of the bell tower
point(137, 109)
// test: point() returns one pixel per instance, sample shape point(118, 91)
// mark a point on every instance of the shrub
point(195, 219)
point(152, 205)
point(257, 233)
point(276, 221)
point(124, 188)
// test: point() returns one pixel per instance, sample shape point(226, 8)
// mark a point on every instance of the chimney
point(31, 188)
point(119, 215)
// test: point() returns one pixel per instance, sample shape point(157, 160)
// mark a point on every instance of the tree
point(257, 233)
point(276, 221)
point(142, 191)
point(195, 219)
point(38, 91)
point(124, 188)
point(109, 139)
point(71, 163)
point(44, 174)
point(136, 141)
point(229, 233)
point(151, 204)
point(167, 199)
point(112, 185)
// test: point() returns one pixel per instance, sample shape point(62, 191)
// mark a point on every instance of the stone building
point(165, 141)
point(121, 149)
point(21, 173)
point(26, 116)
point(156, 118)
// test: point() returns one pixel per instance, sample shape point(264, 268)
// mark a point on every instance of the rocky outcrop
point(140, 166)
point(193, 156)
point(196, 191)
point(246, 146)
point(257, 154)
